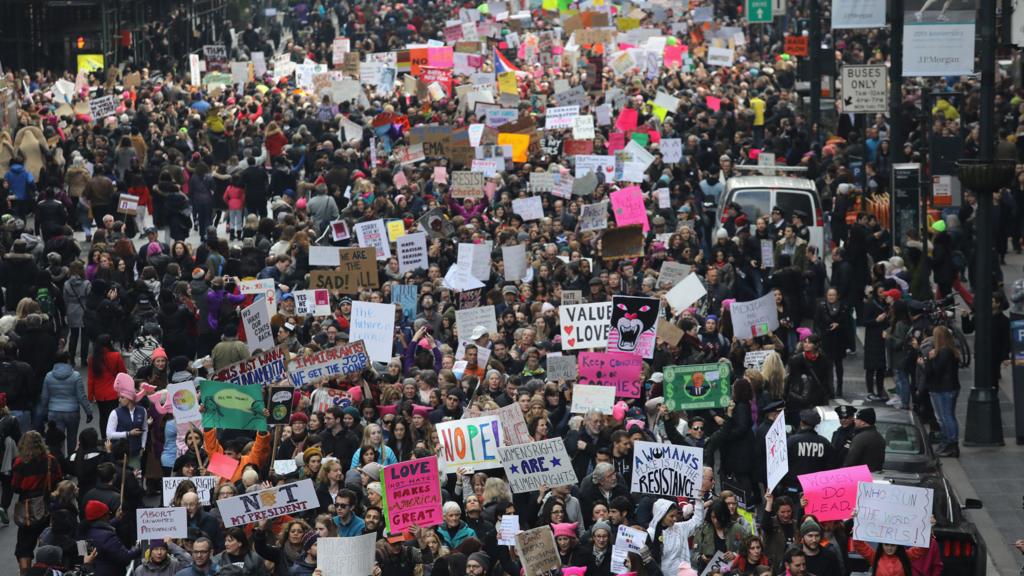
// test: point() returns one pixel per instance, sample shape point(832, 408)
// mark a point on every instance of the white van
point(759, 194)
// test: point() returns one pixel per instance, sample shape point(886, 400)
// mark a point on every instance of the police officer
point(868, 446)
point(809, 451)
point(842, 437)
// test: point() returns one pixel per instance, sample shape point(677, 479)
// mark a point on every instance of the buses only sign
point(865, 89)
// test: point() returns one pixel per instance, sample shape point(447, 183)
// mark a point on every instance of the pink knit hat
point(564, 529)
point(619, 411)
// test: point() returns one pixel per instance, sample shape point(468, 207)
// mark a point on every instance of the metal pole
point(896, 86)
point(984, 425)
point(814, 52)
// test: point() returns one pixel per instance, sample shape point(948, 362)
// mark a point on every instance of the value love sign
point(585, 325)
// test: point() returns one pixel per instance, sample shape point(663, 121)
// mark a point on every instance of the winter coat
point(868, 447)
point(833, 342)
point(737, 448)
point(177, 558)
point(37, 345)
point(704, 539)
point(941, 372)
point(874, 344)
point(887, 565)
point(76, 293)
point(234, 197)
point(16, 380)
point(672, 542)
point(898, 345)
point(101, 378)
point(252, 564)
point(63, 391)
point(112, 557)
point(18, 275)
point(452, 538)
point(20, 182)
point(209, 526)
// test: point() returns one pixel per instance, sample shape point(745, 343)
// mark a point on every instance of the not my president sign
point(667, 469)
point(280, 500)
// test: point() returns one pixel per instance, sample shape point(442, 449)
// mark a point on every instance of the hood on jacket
point(62, 371)
point(17, 168)
point(661, 507)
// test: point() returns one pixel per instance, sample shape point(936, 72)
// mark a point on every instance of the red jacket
point(887, 565)
point(234, 197)
point(101, 378)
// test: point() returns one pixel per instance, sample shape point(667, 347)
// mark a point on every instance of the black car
point(906, 440)
point(960, 544)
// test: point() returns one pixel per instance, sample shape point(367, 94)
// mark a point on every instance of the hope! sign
point(472, 442)
point(412, 494)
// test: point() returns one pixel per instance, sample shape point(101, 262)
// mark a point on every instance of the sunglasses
point(697, 428)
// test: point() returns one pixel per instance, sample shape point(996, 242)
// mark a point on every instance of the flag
point(503, 64)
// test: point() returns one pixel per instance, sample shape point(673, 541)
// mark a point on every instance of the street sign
point(865, 88)
point(759, 11)
point(906, 187)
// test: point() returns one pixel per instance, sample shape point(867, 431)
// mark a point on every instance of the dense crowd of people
point(260, 173)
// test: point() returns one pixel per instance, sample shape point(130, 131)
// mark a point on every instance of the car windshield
point(790, 202)
point(901, 438)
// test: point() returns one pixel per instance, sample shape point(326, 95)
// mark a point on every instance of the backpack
point(45, 301)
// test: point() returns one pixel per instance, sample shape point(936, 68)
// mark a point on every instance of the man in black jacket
point(336, 440)
point(868, 446)
point(809, 451)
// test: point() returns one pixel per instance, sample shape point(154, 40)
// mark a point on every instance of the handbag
point(32, 511)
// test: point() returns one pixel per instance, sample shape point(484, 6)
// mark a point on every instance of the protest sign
point(619, 369)
point(513, 424)
point(594, 216)
point(667, 469)
point(374, 234)
point(232, 407)
point(754, 318)
point(339, 231)
point(832, 494)
point(127, 204)
point(100, 108)
point(412, 252)
point(535, 464)
point(263, 368)
point(893, 514)
point(669, 332)
point(265, 287)
point(259, 335)
point(280, 404)
point(586, 397)
point(471, 442)
point(312, 302)
point(628, 208)
point(467, 184)
point(404, 295)
point(324, 255)
point(583, 186)
point(222, 466)
point(672, 273)
point(559, 117)
point(776, 452)
point(204, 487)
point(623, 242)
point(412, 494)
point(467, 320)
point(630, 539)
point(537, 551)
point(585, 164)
point(698, 386)
point(716, 565)
point(284, 499)
point(160, 523)
point(570, 297)
point(515, 262)
point(634, 324)
point(374, 324)
point(185, 403)
point(671, 150)
point(685, 293)
point(530, 208)
point(585, 325)
point(508, 529)
point(755, 358)
point(583, 128)
point(338, 361)
point(541, 182)
point(561, 367)
point(346, 556)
